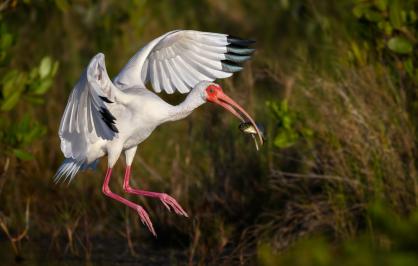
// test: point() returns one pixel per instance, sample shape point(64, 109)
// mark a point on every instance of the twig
point(151, 170)
point(4, 5)
point(315, 176)
point(18, 238)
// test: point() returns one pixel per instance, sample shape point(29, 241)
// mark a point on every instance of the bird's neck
point(186, 107)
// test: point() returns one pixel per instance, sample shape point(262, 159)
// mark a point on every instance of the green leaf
point(285, 139)
point(6, 40)
point(13, 82)
point(62, 5)
point(287, 122)
point(404, 16)
point(360, 9)
point(23, 155)
point(412, 16)
point(8, 83)
point(372, 15)
point(400, 45)
point(45, 67)
point(33, 75)
point(409, 67)
point(35, 132)
point(382, 4)
point(11, 101)
point(388, 28)
point(54, 68)
point(359, 54)
point(395, 14)
point(42, 87)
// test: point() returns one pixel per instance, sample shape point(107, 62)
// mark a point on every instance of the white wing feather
point(86, 117)
point(178, 60)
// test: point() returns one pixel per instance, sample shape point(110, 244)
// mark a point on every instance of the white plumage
point(180, 59)
point(106, 118)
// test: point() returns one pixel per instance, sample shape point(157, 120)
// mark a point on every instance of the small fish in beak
point(248, 128)
point(215, 94)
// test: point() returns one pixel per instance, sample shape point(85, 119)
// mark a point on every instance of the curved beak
point(230, 105)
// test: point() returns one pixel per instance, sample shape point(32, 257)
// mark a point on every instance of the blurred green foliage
point(22, 87)
point(344, 114)
point(390, 27)
point(289, 127)
point(392, 242)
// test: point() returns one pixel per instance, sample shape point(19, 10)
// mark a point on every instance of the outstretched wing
point(180, 59)
point(86, 117)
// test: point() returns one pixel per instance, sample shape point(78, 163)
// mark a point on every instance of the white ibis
point(107, 118)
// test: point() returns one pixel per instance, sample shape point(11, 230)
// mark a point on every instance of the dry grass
point(362, 151)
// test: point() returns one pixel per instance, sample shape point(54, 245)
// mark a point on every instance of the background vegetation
point(334, 83)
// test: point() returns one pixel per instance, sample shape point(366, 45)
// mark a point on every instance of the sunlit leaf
point(33, 74)
point(54, 68)
point(23, 155)
point(43, 87)
point(285, 139)
point(11, 101)
point(388, 28)
point(412, 16)
point(360, 9)
point(395, 14)
point(358, 54)
point(13, 82)
point(62, 5)
point(400, 45)
point(8, 83)
point(45, 67)
point(382, 4)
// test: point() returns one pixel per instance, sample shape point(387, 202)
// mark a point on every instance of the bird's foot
point(145, 219)
point(169, 201)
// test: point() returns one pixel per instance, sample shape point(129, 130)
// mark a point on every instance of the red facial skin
point(214, 94)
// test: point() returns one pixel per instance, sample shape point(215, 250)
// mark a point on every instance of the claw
point(169, 201)
point(168, 207)
point(145, 219)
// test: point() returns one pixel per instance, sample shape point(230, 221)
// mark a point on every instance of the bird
point(107, 118)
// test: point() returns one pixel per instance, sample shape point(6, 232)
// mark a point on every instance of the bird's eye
point(211, 90)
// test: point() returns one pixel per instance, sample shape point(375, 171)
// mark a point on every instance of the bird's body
point(109, 118)
point(137, 118)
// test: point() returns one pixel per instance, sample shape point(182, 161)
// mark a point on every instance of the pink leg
point(142, 213)
point(167, 200)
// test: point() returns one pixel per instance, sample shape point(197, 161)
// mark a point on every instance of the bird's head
point(213, 93)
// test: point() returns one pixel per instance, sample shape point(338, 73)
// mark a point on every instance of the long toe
point(145, 219)
point(169, 201)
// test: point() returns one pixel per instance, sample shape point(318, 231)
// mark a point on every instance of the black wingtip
point(109, 119)
point(239, 41)
point(237, 58)
point(105, 99)
point(236, 49)
point(231, 67)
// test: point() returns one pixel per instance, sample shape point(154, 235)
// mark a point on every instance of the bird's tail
point(69, 168)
